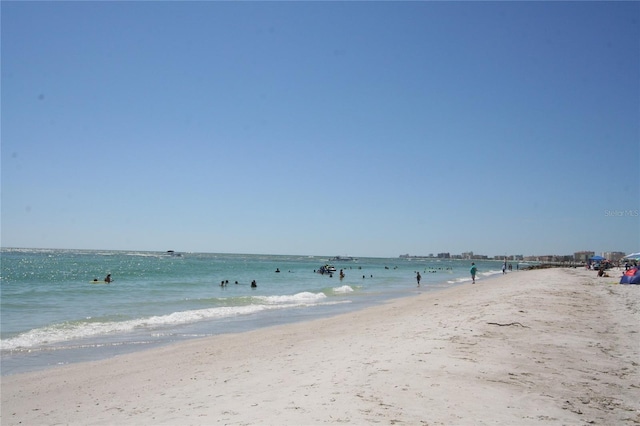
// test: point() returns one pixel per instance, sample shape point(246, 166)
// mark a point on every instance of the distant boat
point(327, 269)
point(343, 259)
point(173, 253)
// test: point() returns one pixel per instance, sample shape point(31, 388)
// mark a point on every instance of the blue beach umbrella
point(596, 258)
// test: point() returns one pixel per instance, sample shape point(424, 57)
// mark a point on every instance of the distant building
point(583, 256)
point(613, 256)
point(444, 256)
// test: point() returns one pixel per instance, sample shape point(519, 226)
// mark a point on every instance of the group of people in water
point(224, 283)
point(473, 271)
point(505, 267)
point(106, 280)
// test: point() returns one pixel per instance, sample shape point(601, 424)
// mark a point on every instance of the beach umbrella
point(632, 256)
point(632, 276)
point(596, 258)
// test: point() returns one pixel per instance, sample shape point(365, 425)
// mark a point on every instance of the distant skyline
point(321, 128)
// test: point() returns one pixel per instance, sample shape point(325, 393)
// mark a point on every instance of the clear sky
point(322, 128)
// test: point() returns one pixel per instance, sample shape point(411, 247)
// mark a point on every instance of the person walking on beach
point(473, 272)
point(418, 278)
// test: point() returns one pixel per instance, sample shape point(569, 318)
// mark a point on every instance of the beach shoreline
point(557, 345)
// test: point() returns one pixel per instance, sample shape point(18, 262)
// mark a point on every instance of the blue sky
point(321, 128)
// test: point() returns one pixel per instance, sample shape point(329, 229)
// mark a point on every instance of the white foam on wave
point(343, 289)
point(483, 274)
point(489, 273)
point(304, 297)
point(66, 332)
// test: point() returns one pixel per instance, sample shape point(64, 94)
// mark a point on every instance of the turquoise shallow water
point(53, 313)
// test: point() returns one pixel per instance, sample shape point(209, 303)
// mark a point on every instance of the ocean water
point(52, 312)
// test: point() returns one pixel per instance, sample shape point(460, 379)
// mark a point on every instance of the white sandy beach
point(557, 346)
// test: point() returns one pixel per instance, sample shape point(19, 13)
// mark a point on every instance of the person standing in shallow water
point(418, 278)
point(473, 272)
